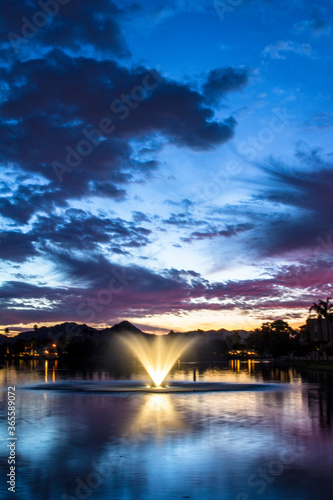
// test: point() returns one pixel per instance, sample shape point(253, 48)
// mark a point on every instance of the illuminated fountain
point(157, 355)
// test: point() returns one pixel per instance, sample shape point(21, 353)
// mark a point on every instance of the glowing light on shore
point(158, 355)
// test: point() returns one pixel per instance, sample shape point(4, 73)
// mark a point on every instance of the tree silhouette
point(276, 339)
point(324, 310)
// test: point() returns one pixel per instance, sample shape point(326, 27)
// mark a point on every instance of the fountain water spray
point(157, 355)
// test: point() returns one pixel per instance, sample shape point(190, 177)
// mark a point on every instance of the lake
point(239, 445)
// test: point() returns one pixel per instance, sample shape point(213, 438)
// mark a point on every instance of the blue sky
point(169, 163)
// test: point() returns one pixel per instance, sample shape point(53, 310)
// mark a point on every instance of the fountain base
point(137, 386)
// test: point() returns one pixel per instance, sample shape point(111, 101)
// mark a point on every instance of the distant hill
point(124, 326)
point(221, 334)
point(70, 330)
point(53, 332)
point(74, 330)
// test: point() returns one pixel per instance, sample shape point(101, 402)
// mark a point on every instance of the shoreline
point(307, 364)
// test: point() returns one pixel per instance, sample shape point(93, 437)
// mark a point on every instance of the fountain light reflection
point(157, 416)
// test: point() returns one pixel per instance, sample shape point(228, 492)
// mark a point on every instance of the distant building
point(321, 330)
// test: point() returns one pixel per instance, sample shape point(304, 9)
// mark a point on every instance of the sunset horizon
point(162, 327)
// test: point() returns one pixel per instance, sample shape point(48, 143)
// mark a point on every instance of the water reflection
point(168, 446)
point(157, 416)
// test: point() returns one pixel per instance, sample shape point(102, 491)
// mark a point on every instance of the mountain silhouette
point(72, 330)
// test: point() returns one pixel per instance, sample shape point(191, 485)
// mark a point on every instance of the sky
point(169, 163)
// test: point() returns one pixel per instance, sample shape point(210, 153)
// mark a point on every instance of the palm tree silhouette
point(324, 310)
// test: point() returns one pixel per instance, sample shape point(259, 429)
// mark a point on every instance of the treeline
point(276, 339)
point(273, 339)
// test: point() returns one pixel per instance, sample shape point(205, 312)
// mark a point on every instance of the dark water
point(233, 445)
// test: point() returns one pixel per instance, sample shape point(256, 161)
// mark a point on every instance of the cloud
point(289, 214)
point(147, 18)
point(49, 127)
point(220, 81)
point(315, 25)
point(79, 230)
point(181, 115)
point(228, 232)
point(104, 291)
point(16, 246)
point(279, 50)
point(76, 231)
point(303, 223)
point(76, 26)
point(183, 220)
point(315, 275)
point(109, 190)
point(320, 120)
point(64, 87)
point(26, 200)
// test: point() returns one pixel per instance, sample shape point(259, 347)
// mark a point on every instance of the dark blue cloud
point(50, 127)
point(75, 230)
point(16, 246)
point(68, 24)
point(305, 195)
point(211, 232)
point(315, 24)
point(220, 81)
